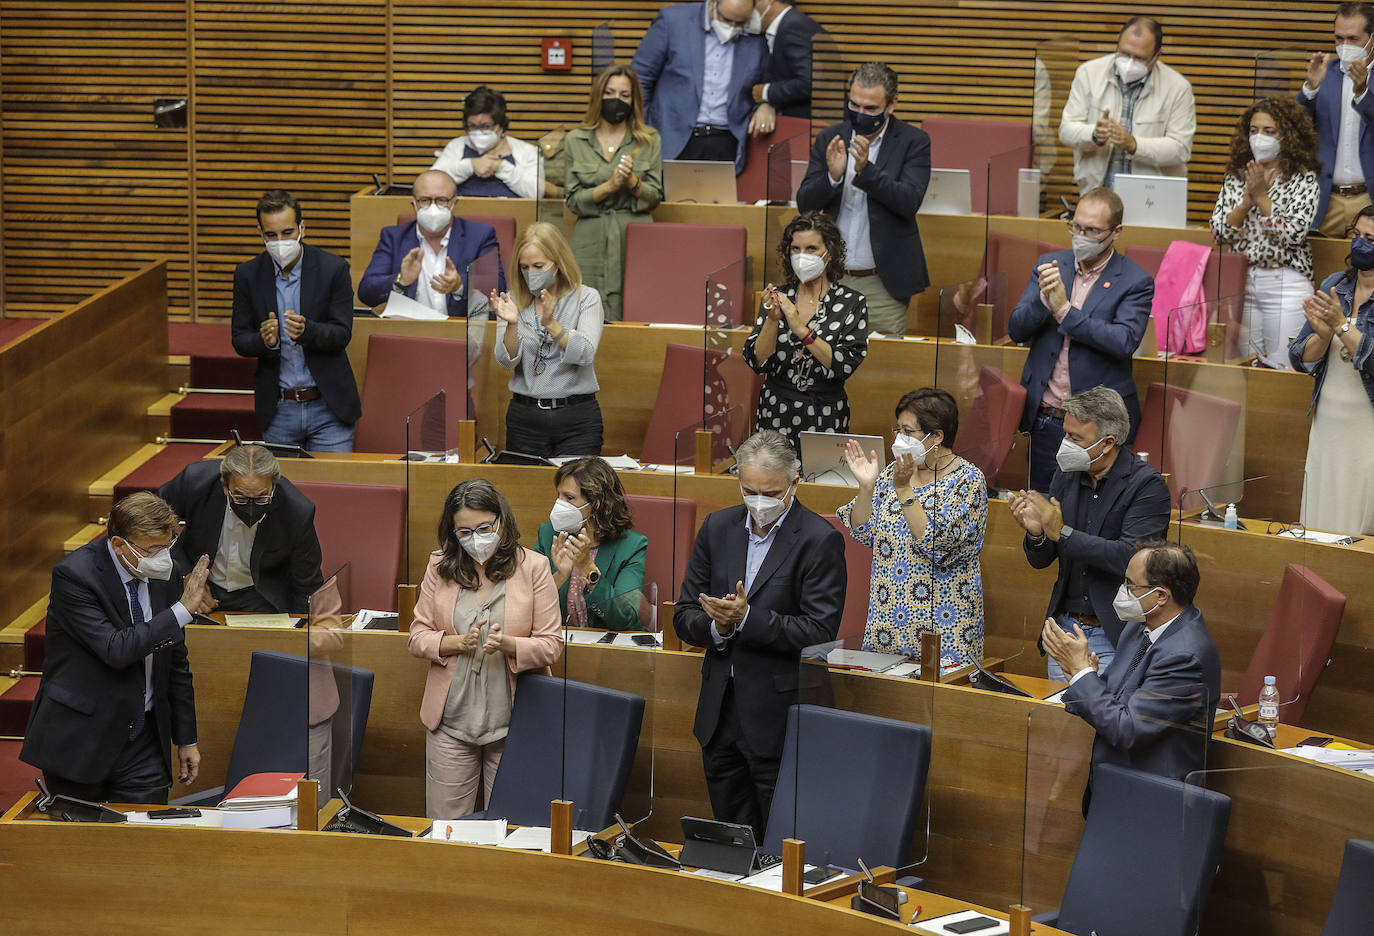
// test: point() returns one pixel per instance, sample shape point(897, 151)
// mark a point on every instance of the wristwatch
point(1344, 328)
point(593, 577)
point(907, 502)
point(396, 285)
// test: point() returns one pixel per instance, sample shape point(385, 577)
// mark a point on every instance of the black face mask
point(250, 513)
point(615, 111)
point(864, 124)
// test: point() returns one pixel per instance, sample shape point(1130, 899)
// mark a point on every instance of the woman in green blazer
point(597, 560)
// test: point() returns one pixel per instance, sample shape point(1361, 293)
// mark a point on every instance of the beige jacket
point(1163, 127)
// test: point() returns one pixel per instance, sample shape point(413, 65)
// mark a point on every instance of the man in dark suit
point(293, 311)
point(1335, 98)
point(697, 68)
point(256, 527)
point(1083, 314)
point(786, 86)
point(116, 688)
point(766, 580)
point(1103, 502)
point(1153, 710)
point(427, 259)
point(870, 173)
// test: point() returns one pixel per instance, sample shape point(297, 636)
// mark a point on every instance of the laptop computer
point(950, 192)
point(822, 456)
point(1152, 200)
point(702, 181)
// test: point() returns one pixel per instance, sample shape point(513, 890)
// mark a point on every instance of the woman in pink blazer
point(488, 609)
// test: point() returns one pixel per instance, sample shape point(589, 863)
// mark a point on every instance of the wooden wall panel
point(287, 95)
point(92, 190)
point(315, 96)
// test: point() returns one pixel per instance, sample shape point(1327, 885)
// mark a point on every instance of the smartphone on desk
point(645, 640)
point(817, 875)
point(970, 926)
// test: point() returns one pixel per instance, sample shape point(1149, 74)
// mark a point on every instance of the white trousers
point(1272, 315)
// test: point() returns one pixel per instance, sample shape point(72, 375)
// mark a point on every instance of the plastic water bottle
point(1232, 522)
point(1269, 706)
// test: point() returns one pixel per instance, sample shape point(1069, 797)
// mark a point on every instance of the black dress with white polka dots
point(798, 393)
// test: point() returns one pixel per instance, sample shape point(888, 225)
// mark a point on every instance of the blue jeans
point(1047, 432)
point(311, 425)
point(1097, 643)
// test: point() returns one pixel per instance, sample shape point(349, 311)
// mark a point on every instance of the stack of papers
point(938, 924)
point(260, 620)
point(493, 832)
point(771, 878)
point(1358, 761)
point(262, 801)
point(401, 306)
point(864, 659)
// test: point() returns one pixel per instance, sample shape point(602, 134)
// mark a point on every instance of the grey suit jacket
point(1158, 717)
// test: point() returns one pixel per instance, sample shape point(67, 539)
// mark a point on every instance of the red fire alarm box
point(556, 54)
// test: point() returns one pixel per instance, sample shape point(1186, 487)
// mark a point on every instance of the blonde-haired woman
point(547, 335)
point(614, 176)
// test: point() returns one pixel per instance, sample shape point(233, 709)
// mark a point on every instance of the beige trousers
point(1340, 213)
point(452, 769)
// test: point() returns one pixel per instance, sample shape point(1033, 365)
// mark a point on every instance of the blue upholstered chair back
point(1149, 852)
point(854, 784)
point(567, 740)
point(272, 729)
point(1352, 908)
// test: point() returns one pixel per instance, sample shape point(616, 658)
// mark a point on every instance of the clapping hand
point(295, 324)
point(1052, 285)
point(858, 148)
point(448, 282)
point(504, 307)
point(563, 559)
point(771, 304)
point(410, 266)
point(268, 331)
point(1070, 651)
point(1025, 514)
point(836, 157)
point(788, 308)
point(485, 166)
point(496, 640)
point(1359, 71)
point(1258, 179)
point(1102, 132)
point(195, 593)
point(729, 610)
point(1316, 69)
point(467, 643)
point(903, 469)
point(544, 304)
point(865, 468)
point(1323, 312)
point(624, 171)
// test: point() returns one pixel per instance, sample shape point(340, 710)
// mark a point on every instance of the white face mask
point(480, 546)
point(483, 140)
point(565, 517)
point(724, 31)
point(433, 218)
point(1130, 69)
point(284, 252)
point(1263, 147)
point(1073, 457)
point(1127, 606)
point(906, 445)
point(755, 24)
point(763, 509)
point(808, 266)
point(1349, 53)
point(154, 567)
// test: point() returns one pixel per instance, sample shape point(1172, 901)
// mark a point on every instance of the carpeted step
point(35, 645)
point(214, 362)
point(16, 777)
point(213, 415)
point(15, 703)
point(161, 468)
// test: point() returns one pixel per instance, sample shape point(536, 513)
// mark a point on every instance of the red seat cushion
point(213, 415)
point(667, 268)
point(365, 526)
point(1188, 435)
point(402, 373)
point(987, 434)
point(768, 161)
point(1297, 643)
point(858, 562)
point(670, 524)
point(694, 392)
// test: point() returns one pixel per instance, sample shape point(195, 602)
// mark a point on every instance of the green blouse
point(614, 603)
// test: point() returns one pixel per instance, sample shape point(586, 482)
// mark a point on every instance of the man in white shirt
point(257, 528)
point(1128, 112)
point(1153, 711)
point(1334, 95)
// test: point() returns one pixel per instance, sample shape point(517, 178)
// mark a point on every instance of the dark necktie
point(1135, 661)
point(136, 610)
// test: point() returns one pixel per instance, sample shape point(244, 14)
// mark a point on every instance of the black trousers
point(568, 430)
point(139, 774)
point(241, 599)
point(717, 147)
point(740, 781)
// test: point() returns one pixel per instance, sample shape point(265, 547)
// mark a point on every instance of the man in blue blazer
point(428, 258)
point(1335, 87)
point(293, 311)
point(1083, 314)
point(1153, 711)
point(698, 69)
point(787, 82)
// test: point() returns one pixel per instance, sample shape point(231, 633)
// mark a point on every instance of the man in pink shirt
point(1082, 315)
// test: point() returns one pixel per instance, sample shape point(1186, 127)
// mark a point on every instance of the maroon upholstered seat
point(756, 181)
point(1188, 435)
point(402, 373)
point(987, 434)
point(858, 562)
point(667, 267)
point(670, 524)
point(1296, 645)
point(957, 143)
point(365, 526)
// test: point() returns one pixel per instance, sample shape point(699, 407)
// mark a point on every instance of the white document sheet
point(536, 838)
point(937, 924)
point(469, 831)
point(401, 306)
